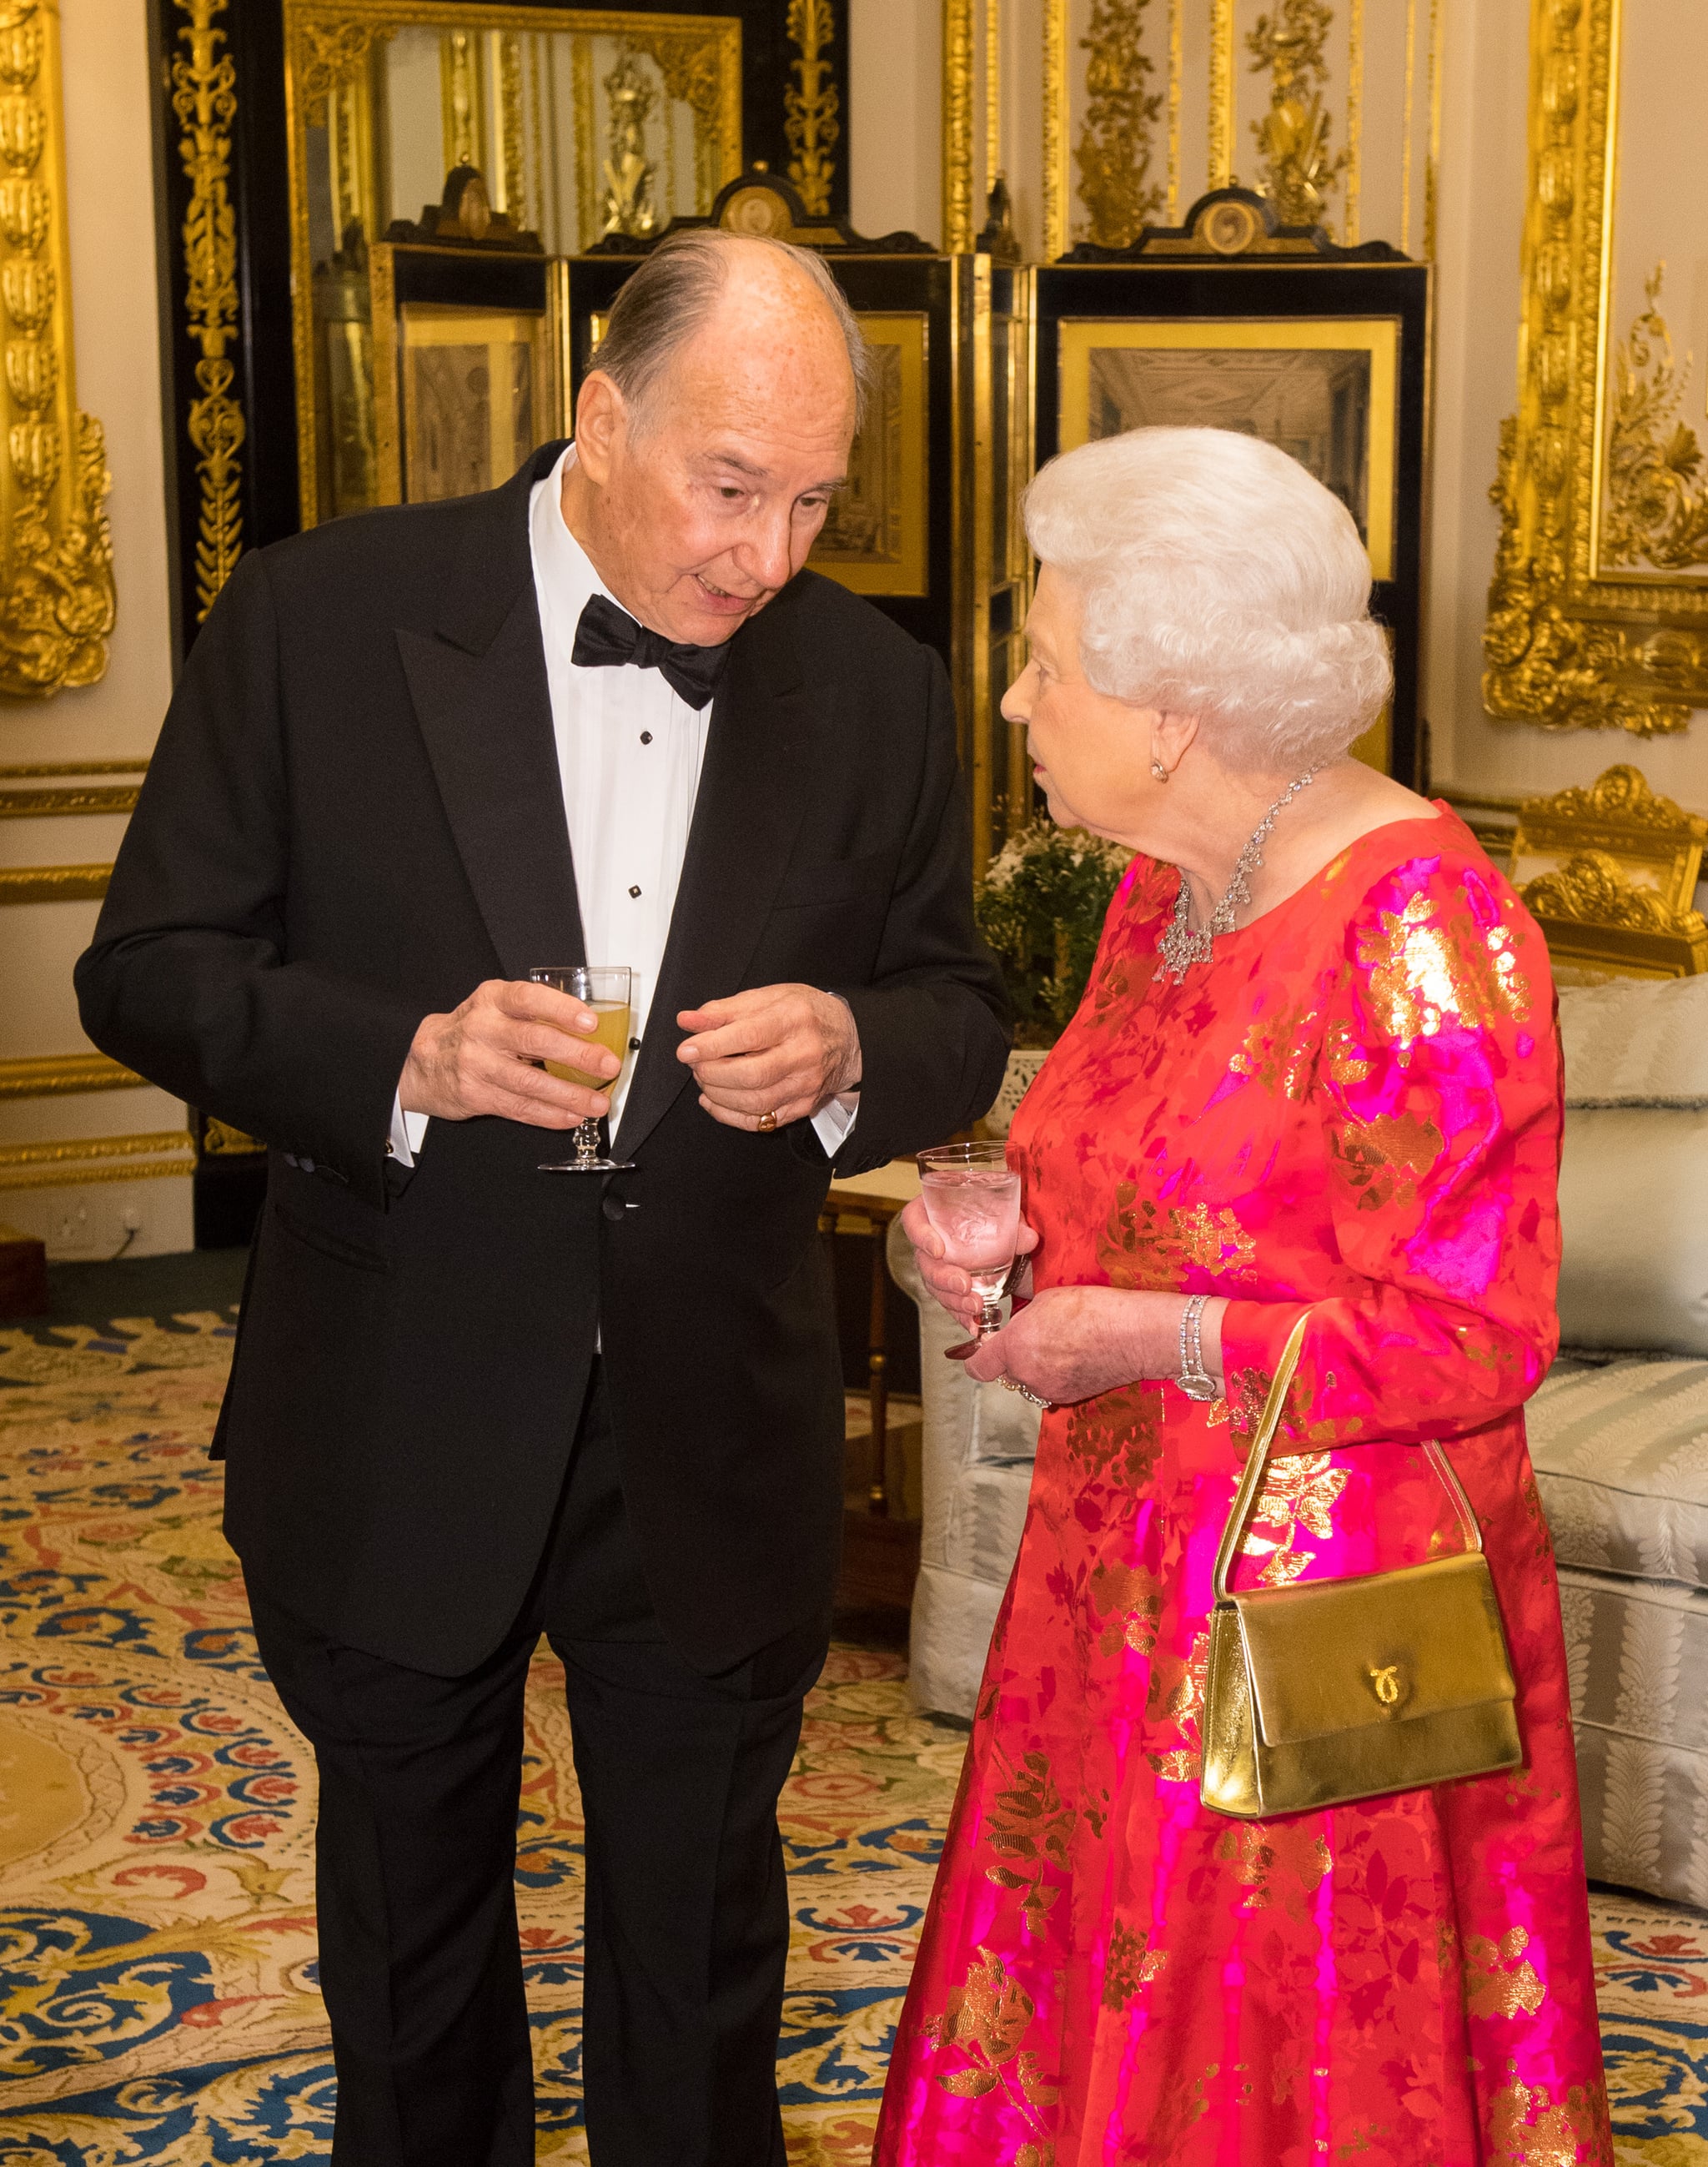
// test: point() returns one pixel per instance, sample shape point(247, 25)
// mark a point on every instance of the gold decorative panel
point(1598, 613)
point(56, 595)
point(582, 123)
point(874, 539)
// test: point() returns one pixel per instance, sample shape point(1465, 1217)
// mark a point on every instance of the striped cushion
point(1622, 1461)
point(1636, 1656)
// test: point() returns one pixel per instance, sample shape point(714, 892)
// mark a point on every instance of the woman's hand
point(1071, 1342)
point(948, 1282)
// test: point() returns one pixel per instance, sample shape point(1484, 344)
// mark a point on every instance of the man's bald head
point(713, 429)
point(685, 281)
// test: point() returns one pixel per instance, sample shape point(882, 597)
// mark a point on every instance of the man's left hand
point(781, 1050)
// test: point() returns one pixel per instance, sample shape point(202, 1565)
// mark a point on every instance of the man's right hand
point(476, 1059)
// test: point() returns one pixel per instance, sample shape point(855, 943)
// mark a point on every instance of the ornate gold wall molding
point(1115, 144)
point(204, 99)
point(810, 105)
point(56, 600)
point(53, 884)
point(1654, 502)
point(958, 220)
point(1569, 645)
point(1296, 167)
point(60, 1075)
point(49, 804)
point(1222, 93)
point(1055, 164)
point(78, 1159)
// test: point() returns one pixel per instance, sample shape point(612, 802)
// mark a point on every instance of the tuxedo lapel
point(483, 704)
point(753, 794)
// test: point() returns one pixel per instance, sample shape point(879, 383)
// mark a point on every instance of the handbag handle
point(1258, 1463)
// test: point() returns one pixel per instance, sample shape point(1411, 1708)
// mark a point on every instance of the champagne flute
point(605, 988)
point(972, 1199)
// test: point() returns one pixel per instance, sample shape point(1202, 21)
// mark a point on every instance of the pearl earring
point(1159, 771)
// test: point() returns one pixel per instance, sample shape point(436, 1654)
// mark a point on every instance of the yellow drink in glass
point(612, 1034)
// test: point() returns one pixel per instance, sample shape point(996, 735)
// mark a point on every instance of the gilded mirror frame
point(1567, 646)
point(327, 47)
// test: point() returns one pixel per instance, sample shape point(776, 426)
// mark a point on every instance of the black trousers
point(687, 1914)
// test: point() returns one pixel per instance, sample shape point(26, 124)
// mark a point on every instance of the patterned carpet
point(157, 1940)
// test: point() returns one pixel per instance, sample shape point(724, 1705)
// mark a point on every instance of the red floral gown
point(1353, 1104)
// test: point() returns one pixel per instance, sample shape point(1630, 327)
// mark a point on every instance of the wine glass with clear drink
point(972, 1199)
point(605, 988)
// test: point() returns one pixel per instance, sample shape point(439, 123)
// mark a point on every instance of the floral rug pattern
point(158, 2003)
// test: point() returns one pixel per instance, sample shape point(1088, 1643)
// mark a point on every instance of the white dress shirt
point(629, 753)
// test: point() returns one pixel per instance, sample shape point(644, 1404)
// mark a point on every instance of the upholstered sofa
point(1619, 1435)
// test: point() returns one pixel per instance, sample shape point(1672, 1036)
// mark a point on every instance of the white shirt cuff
point(407, 1130)
point(833, 1122)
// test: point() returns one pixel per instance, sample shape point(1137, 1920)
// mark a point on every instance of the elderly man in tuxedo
point(600, 714)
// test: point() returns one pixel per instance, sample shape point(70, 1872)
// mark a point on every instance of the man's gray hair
point(1218, 579)
point(673, 292)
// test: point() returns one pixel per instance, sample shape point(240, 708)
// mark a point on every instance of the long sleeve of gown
point(1442, 1128)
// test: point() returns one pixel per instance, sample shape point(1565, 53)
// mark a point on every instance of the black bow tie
point(607, 637)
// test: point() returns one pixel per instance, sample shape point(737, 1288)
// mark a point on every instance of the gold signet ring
point(767, 1123)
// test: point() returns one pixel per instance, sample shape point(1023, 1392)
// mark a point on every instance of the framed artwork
point(1322, 390)
point(876, 538)
point(472, 390)
point(466, 376)
point(1233, 320)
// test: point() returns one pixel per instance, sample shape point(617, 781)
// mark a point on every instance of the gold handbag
point(1331, 1690)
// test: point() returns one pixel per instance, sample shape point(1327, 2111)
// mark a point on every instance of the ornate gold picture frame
point(1323, 389)
point(583, 122)
point(1597, 617)
point(875, 540)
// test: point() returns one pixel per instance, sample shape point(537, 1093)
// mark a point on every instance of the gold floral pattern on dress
point(1117, 1436)
point(1346, 1059)
point(1426, 963)
point(1030, 1826)
point(1259, 1852)
point(1278, 1054)
point(1126, 1601)
point(1131, 1963)
point(1381, 1161)
point(1499, 1978)
point(1146, 1248)
point(1528, 2129)
point(1177, 1697)
point(985, 2018)
point(1299, 1491)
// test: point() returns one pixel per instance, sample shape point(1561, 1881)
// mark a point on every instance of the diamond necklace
point(1179, 945)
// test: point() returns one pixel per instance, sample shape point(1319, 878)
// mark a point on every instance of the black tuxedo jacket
point(353, 817)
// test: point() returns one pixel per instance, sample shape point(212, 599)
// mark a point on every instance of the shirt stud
point(634, 891)
point(646, 737)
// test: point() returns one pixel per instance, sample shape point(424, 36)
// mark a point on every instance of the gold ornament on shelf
point(629, 207)
point(56, 600)
point(1115, 144)
point(204, 99)
point(1292, 137)
point(1657, 506)
point(811, 104)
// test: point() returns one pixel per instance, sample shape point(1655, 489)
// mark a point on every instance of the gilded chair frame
point(1567, 645)
point(1609, 874)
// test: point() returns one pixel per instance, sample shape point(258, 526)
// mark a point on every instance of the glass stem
point(991, 1316)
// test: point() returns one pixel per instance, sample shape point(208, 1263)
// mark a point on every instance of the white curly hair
point(1221, 579)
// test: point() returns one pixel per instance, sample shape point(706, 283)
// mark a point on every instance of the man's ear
point(601, 425)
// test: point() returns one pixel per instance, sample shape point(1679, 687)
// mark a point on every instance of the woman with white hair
point(1314, 1070)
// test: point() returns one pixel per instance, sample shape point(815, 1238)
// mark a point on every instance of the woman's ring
point(1011, 1385)
point(767, 1123)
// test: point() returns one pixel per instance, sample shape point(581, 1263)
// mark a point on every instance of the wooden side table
point(880, 1550)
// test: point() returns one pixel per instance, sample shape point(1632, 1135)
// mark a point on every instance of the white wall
point(109, 88)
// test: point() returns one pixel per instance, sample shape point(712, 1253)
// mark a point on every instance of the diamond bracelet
point(1194, 1381)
